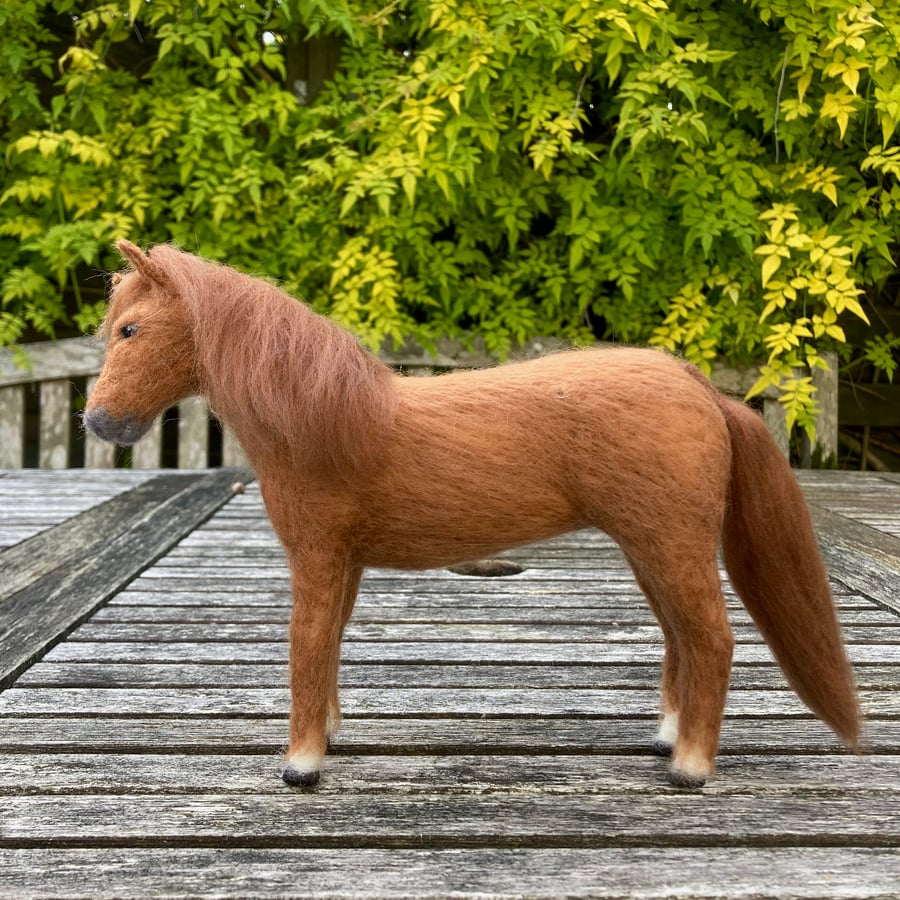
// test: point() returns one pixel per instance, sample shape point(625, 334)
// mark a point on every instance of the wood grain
point(55, 424)
point(861, 556)
point(12, 426)
point(597, 872)
point(41, 606)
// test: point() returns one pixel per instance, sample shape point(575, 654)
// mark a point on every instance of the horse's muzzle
point(124, 430)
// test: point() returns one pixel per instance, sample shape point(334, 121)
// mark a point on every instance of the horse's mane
point(283, 377)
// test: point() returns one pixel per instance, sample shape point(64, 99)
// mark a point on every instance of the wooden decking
point(496, 739)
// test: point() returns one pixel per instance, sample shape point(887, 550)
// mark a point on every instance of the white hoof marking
point(694, 765)
point(668, 729)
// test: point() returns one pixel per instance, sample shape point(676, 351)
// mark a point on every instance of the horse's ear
point(132, 253)
point(142, 263)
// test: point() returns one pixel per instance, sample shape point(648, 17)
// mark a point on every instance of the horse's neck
point(288, 381)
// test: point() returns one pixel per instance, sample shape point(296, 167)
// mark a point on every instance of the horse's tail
point(774, 563)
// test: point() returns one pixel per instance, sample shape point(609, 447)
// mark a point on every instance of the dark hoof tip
point(661, 748)
point(296, 778)
point(684, 781)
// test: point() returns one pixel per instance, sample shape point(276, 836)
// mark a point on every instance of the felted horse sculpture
point(359, 467)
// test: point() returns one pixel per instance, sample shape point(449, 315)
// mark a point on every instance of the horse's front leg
point(320, 588)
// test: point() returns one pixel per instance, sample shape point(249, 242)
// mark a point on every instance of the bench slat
point(56, 418)
point(193, 434)
point(12, 427)
point(97, 454)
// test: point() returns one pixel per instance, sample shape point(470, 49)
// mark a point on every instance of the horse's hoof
point(661, 748)
point(300, 778)
point(684, 781)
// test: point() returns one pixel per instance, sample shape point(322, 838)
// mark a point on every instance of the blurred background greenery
point(718, 179)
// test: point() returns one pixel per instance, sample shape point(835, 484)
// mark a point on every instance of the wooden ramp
point(497, 730)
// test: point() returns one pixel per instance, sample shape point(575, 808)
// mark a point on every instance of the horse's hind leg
point(667, 733)
point(687, 600)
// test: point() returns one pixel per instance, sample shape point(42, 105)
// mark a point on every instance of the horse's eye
point(128, 331)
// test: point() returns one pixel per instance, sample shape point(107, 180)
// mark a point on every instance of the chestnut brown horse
point(359, 467)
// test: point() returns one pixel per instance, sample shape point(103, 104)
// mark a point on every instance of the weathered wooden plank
point(193, 433)
point(12, 427)
point(251, 574)
point(355, 701)
point(36, 774)
point(460, 632)
point(49, 360)
point(870, 498)
point(446, 675)
point(445, 821)
point(147, 452)
point(210, 580)
point(606, 873)
point(581, 579)
point(98, 454)
point(37, 615)
point(412, 701)
point(208, 611)
point(55, 424)
point(860, 556)
point(271, 571)
point(24, 507)
point(232, 453)
point(258, 675)
point(825, 382)
point(603, 590)
point(127, 675)
point(37, 485)
point(875, 491)
point(405, 652)
point(69, 543)
point(621, 607)
point(479, 735)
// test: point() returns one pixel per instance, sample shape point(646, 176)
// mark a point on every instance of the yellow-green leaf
point(47, 145)
point(644, 33)
point(409, 187)
point(803, 82)
point(770, 266)
point(761, 383)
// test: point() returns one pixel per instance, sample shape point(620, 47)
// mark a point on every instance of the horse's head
point(150, 354)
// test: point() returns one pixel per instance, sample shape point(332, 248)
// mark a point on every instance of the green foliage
point(882, 353)
point(710, 178)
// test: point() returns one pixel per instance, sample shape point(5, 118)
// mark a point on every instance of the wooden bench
point(63, 373)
